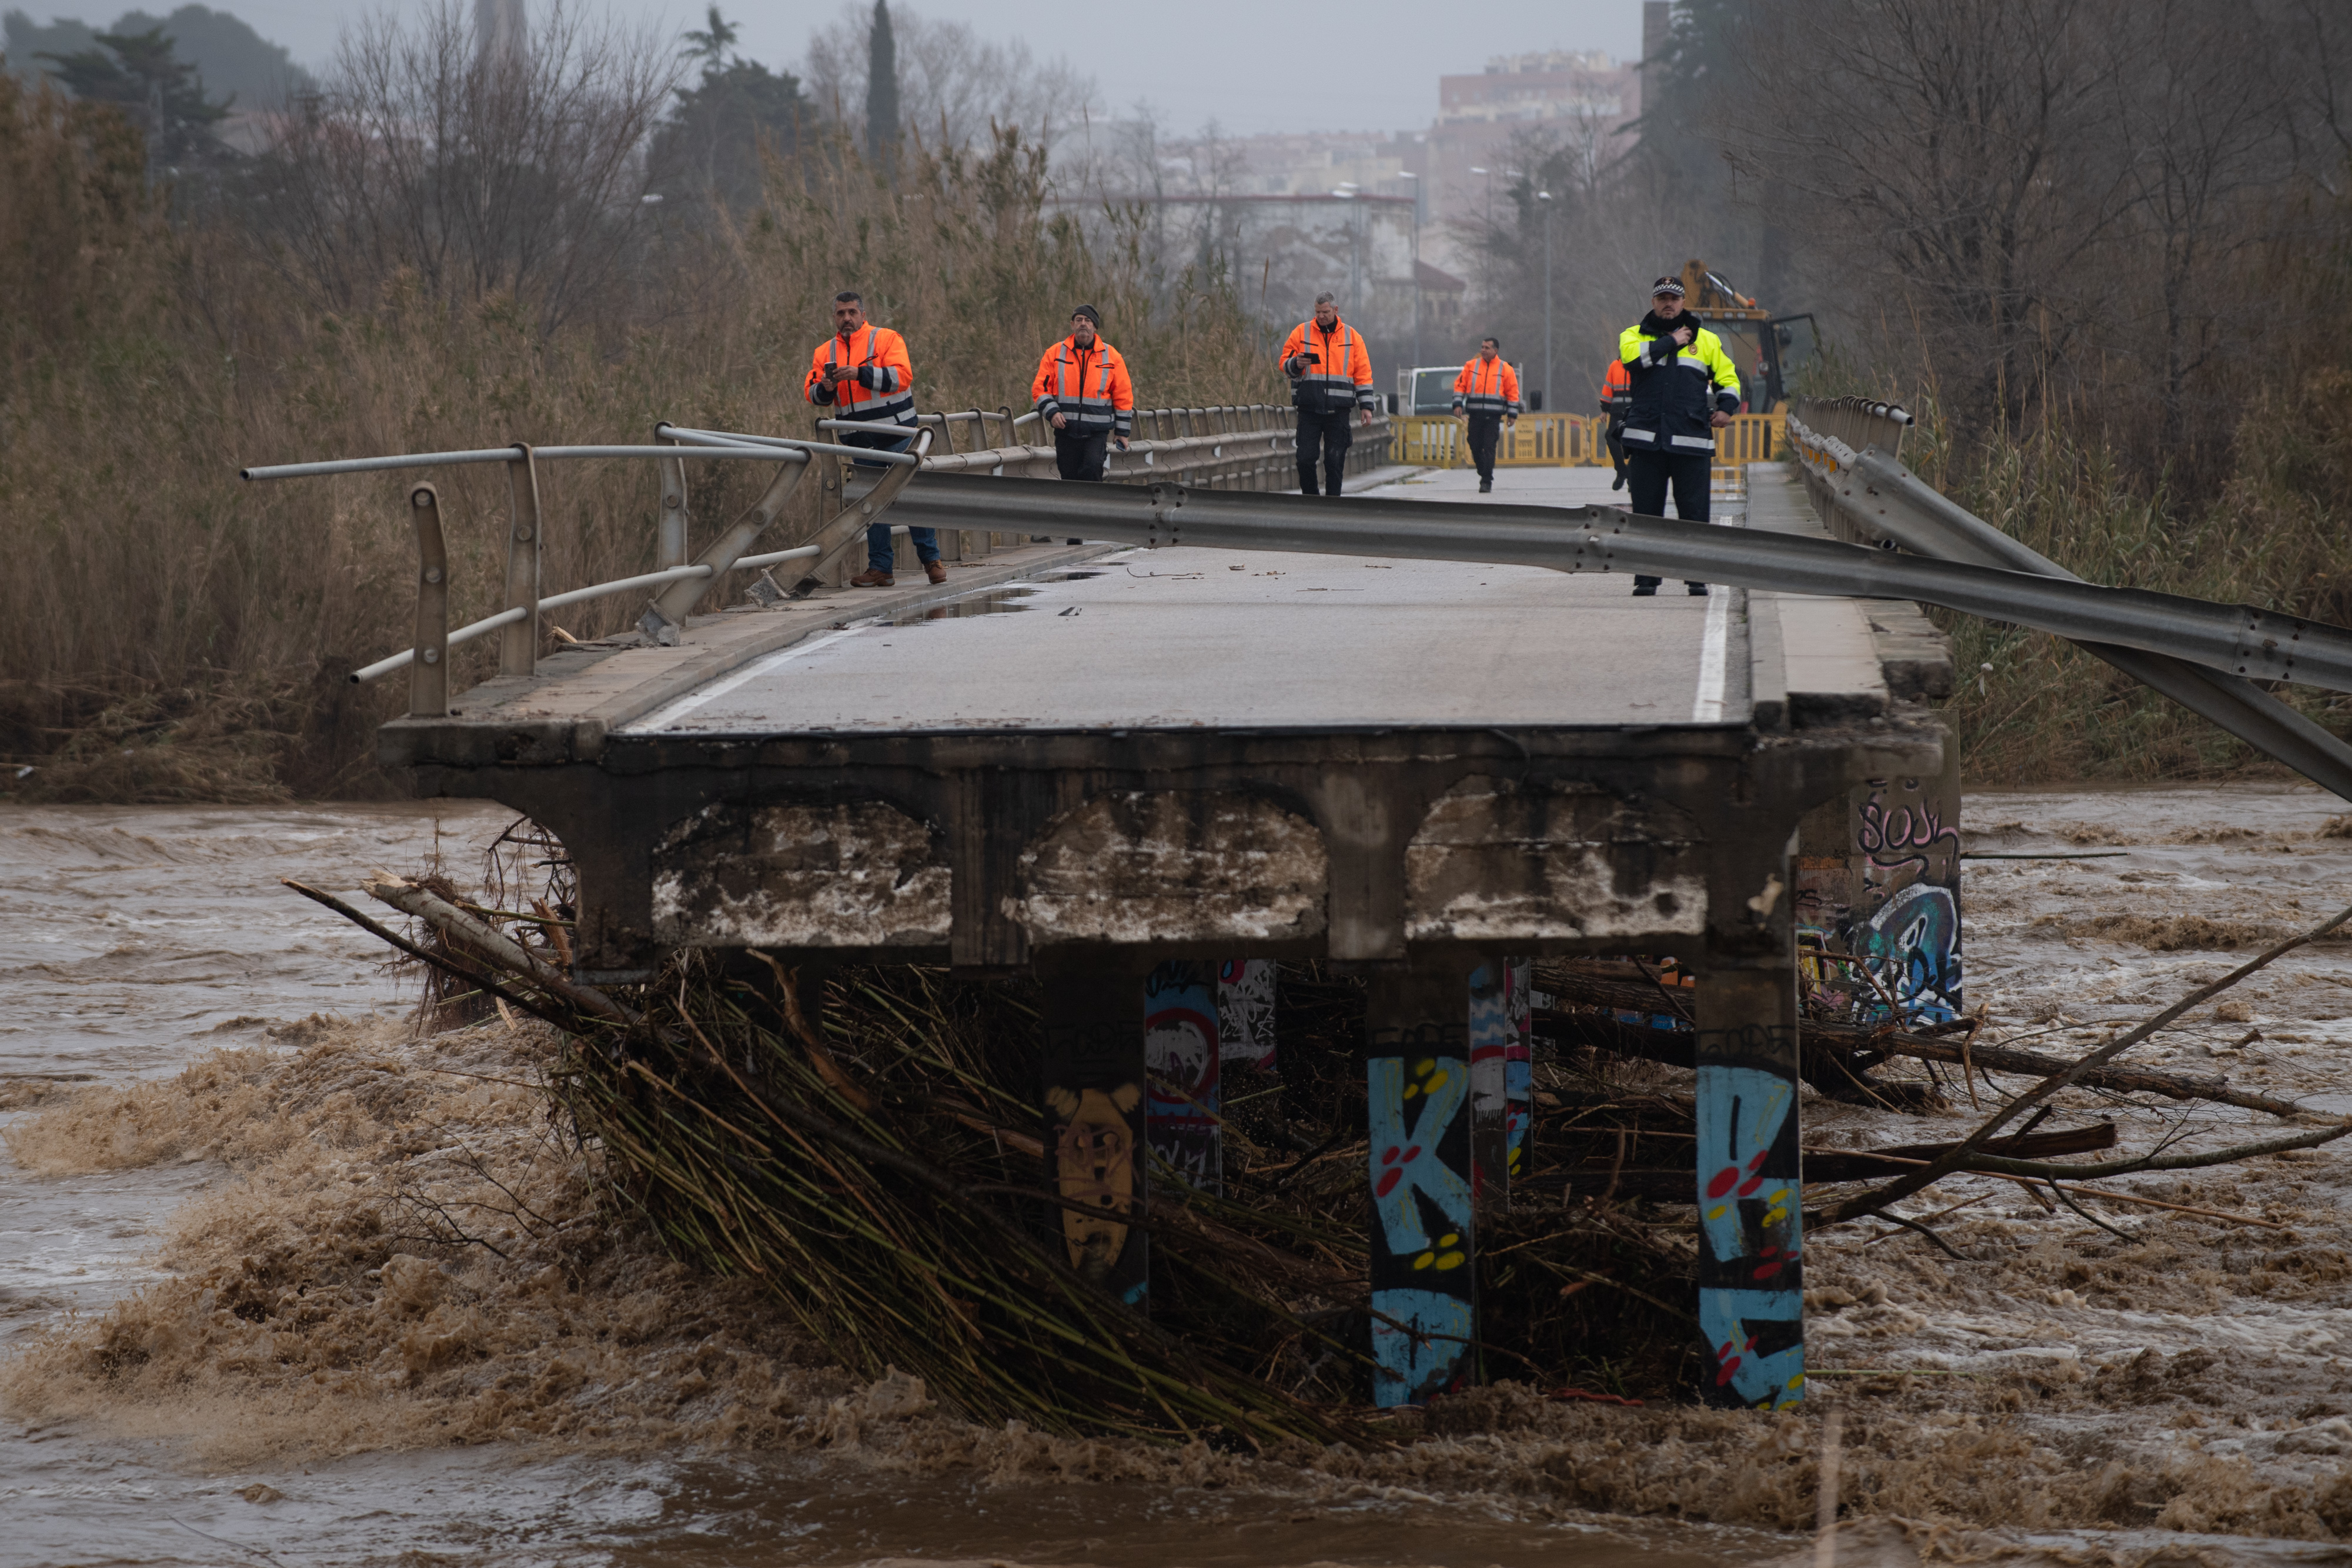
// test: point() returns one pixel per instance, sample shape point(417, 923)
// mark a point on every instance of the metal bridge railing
point(1858, 422)
point(1230, 446)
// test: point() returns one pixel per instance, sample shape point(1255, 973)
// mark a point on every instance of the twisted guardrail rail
point(1850, 450)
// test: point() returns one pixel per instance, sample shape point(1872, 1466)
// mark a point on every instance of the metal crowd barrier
point(1570, 441)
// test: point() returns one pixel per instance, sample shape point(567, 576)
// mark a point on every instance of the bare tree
point(481, 174)
point(2203, 109)
point(953, 83)
point(1961, 157)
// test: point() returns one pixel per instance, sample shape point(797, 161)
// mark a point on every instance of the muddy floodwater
point(133, 940)
point(2199, 1377)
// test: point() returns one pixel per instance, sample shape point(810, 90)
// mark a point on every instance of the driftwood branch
point(472, 974)
point(1905, 1185)
point(1858, 1039)
point(466, 931)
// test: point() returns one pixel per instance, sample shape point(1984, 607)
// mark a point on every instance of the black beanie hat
point(1090, 313)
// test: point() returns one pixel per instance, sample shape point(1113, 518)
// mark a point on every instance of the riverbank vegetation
point(168, 632)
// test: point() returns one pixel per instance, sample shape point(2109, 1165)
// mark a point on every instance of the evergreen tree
point(882, 91)
point(156, 92)
point(709, 147)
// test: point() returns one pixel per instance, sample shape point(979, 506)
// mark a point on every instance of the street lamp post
point(1346, 191)
point(1408, 174)
point(1545, 197)
point(1490, 192)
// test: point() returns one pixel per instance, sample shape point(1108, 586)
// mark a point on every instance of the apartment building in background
point(1386, 219)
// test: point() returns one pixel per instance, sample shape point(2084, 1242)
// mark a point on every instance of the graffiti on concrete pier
point(1878, 915)
point(1182, 1054)
point(1245, 1013)
point(1093, 1101)
point(1501, 1077)
point(1425, 1292)
point(1751, 1270)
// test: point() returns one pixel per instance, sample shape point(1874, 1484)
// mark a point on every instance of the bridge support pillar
point(1751, 1298)
point(1502, 1067)
point(1093, 1089)
point(1423, 1261)
point(1182, 1051)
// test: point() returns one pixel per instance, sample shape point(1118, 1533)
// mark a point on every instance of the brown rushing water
point(135, 939)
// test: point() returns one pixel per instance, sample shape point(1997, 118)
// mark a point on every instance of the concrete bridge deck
point(957, 722)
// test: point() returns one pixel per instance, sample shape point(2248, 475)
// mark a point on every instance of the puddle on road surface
point(1008, 600)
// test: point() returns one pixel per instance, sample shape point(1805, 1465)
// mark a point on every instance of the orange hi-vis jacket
point(1482, 387)
point(1339, 367)
point(884, 387)
point(1088, 387)
point(1617, 389)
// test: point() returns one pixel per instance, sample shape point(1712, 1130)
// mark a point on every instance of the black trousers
point(1647, 476)
point(1081, 453)
point(1486, 430)
point(1616, 439)
point(1328, 435)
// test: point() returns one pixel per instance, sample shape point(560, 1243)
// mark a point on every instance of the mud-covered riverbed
point(206, 1084)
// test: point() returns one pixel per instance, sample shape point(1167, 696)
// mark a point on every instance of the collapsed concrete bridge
point(1125, 766)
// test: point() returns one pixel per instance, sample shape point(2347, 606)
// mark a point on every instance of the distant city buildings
point(1386, 219)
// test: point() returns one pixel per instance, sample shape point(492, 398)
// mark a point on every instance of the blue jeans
point(878, 553)
point(880, 556)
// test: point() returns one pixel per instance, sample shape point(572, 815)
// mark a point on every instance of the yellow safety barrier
point(1570, 441)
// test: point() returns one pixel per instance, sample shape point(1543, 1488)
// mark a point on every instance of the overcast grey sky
point(1250, 64)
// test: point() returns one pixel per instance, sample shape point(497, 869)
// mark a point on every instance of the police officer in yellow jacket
point(1684, 389)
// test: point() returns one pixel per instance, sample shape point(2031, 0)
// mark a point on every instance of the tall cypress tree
point(882, 92)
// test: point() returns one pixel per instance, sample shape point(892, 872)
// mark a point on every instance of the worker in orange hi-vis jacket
point(1616, 401)
point(862, 373)
point(1331, 373)
point(1486, 394)
point(1082, 390)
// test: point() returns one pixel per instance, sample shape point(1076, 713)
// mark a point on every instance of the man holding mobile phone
point(1331, 373)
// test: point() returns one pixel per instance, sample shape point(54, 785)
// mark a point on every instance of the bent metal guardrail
point(1224, 445)
point(2239, 639)
point(1847, 448)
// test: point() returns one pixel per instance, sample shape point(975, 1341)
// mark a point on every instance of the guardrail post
point(428, 672)
point(670, 538)
point(519, 642)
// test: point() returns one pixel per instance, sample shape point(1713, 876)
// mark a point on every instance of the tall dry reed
point(169, 632)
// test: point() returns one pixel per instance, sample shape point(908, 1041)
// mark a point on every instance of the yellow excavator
point(1768, 350)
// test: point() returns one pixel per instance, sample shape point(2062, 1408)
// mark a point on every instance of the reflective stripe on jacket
point(1088, 387)
point(884, 387)
point(1672, 387)
point(1616, 390)
point(1482, 387)
point(1338, 367)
